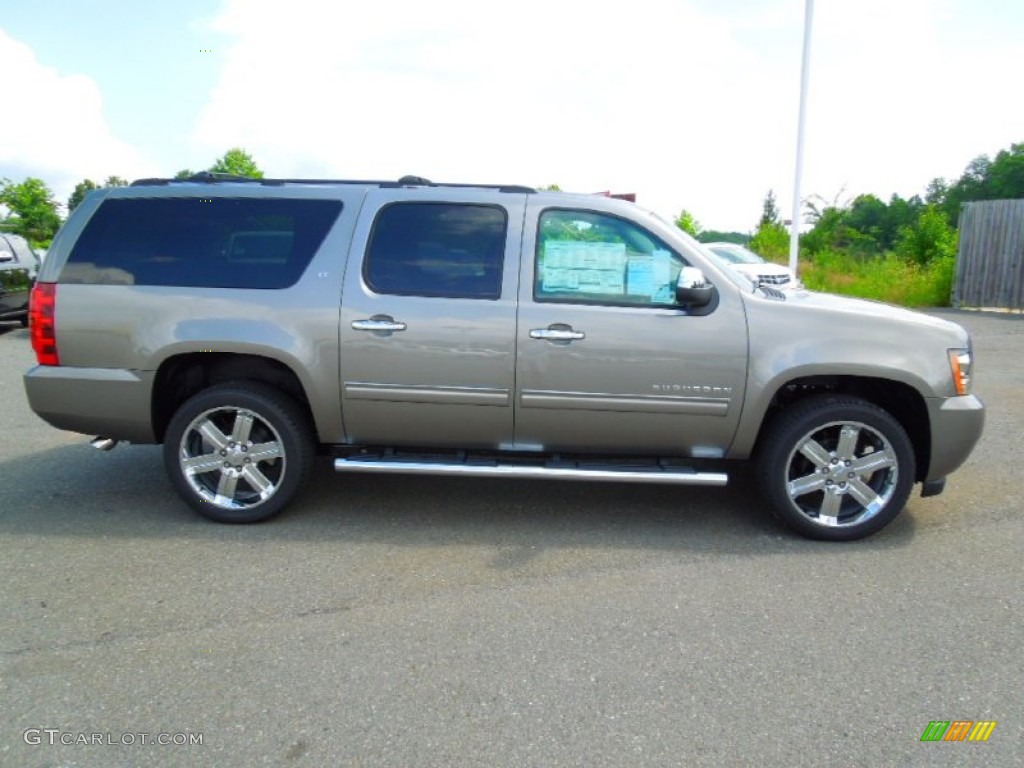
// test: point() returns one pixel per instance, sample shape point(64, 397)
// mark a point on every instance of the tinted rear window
point(200, 242)
point(450, 250)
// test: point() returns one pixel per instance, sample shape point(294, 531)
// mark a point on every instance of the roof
point(206, 177)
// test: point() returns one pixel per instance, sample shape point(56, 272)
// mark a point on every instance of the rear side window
point(449, 250)
point(200, 242)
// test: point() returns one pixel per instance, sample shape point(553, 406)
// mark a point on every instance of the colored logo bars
point(958, 730)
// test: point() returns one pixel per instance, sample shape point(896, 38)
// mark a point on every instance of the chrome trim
point(557, 334)
point(601, 401)
point(378, 324)
point(534, 472)
point(426, 393)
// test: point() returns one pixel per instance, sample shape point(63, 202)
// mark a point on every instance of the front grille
point(773, 279)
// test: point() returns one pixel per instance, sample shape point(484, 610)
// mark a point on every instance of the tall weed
point(887, 278)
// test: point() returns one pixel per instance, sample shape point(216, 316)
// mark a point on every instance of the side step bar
point(610, 471)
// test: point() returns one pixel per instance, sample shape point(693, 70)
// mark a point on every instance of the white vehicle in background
point(749, 264)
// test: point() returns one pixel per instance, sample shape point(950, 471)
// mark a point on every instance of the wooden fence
point(990, 262)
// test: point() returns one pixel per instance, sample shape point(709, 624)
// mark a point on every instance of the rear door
point(428, 319)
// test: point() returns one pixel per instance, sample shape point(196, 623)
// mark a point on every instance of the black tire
point(835, 467)
point(239, 437)
point(23, 320)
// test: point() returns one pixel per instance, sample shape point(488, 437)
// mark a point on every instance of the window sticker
point(662, 290)
point(583, 267)
point(640, 275)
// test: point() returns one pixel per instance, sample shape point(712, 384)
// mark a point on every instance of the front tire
point(238, 452)
point(836, 468)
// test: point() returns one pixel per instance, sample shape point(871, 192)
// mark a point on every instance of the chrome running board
point(461, 464)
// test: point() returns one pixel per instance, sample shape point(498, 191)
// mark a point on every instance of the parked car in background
point(18, 269)
point(749, 264)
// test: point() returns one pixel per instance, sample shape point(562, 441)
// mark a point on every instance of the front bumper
point(956, 424)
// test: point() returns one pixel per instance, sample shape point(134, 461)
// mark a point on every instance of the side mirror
point(6, 256)
point(693, 290)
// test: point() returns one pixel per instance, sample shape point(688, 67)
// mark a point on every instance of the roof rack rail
point(206, 177)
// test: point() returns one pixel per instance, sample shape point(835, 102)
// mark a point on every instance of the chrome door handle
point(379, 324)
point(557, 334)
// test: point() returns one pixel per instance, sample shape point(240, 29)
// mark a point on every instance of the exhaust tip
point(103, 443)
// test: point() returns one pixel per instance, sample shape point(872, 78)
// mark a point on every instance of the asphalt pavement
point(417, 621)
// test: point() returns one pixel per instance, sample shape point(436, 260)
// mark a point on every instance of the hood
point(767, 268)
point(859, 308)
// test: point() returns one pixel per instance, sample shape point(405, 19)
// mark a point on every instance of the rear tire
point(836, 468)
point(239, 452)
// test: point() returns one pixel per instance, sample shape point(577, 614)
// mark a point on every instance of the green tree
point(770, 241)
point(82, 188)
point(237, 162)
point(1001, 178)
point(687, 223)
point(550, 188)
point(33, 210)
point(829, 230)
point(899, 213)
point(183, 174)
point(931, 238)
point(1006, 174)
point(936, 191)
point(769, 210)
point(867, 217)
point(86, 186)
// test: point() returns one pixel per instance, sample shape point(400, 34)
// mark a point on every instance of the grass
point(885, 278)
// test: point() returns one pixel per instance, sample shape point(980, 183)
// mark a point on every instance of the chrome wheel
point(232, 458)
point(836, 467)
point(841, 474)
point(239, 452)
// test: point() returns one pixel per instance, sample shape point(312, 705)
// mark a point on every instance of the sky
point(687, 103)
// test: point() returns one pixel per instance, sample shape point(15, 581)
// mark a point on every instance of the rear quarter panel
point(137, 328)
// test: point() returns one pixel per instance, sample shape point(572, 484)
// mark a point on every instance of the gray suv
point(493, 331)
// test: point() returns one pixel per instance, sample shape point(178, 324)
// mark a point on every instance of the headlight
point(960, 363)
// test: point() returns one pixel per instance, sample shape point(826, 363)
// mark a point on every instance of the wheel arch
point(181, 376)
point(902, 401)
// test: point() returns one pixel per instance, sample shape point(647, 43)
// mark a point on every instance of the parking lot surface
point(424, 621)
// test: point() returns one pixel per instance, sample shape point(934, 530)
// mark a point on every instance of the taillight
point(42, 311)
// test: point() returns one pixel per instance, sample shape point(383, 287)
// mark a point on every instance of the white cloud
point(54, 127)
point(690, 105)
point(589, 96)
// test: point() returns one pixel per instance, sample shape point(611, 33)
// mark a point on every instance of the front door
point(608, 362)
point(428, 319)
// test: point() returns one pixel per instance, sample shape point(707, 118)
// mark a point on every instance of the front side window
point(449, 250)
point(594, 258)
point(218, 242)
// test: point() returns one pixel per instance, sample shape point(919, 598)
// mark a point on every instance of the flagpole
point(794, 232)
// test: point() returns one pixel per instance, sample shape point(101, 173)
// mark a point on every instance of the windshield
point(735, 254)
